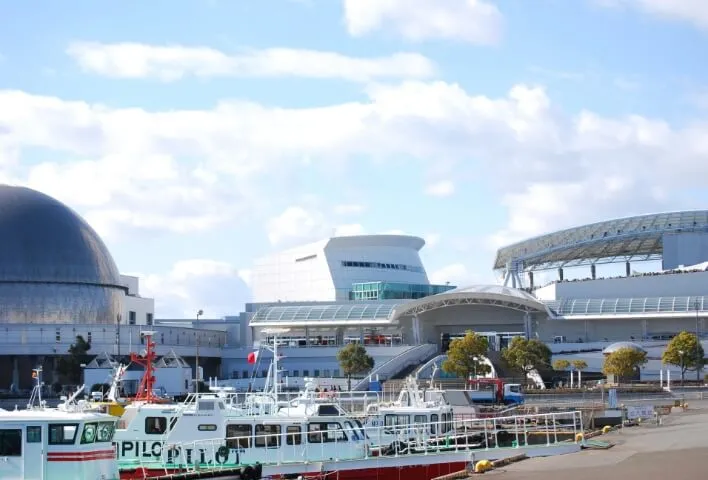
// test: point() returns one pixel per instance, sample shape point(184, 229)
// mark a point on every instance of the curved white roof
point(383, 240)
point(620, 345)
point(495, 290)
point(496, 295)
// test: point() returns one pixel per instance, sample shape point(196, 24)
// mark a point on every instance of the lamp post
point(699, 361)
point(200, 312)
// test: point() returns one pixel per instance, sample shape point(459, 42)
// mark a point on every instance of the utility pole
point(196, 333)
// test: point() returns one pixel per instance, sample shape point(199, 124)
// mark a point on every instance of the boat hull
point(409, 472)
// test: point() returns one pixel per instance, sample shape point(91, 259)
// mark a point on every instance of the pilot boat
point(42, 443)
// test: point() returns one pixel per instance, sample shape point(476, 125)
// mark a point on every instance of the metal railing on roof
point(323, 313)
point(619, 306)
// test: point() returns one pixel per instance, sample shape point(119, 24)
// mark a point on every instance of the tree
point(69, 366)
point(527, 355)
point(354, 360)
point(465, 356)
point(561, 365)
point(624, 362)
point(685, 352)
point(579, 365)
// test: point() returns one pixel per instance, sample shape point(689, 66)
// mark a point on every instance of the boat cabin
point(49, 444)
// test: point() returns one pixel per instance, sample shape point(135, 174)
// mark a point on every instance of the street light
point(699, 361)
point(200, 312)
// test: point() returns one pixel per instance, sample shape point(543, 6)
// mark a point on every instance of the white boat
point(42, 443)
point(417, 414)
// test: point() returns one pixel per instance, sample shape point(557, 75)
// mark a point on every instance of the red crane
point(145, 391)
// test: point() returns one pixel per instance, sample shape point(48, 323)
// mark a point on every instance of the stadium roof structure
point(624, 239)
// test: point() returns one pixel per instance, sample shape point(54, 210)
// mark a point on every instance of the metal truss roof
point(624, 239)
point(339, 314)
point(628, 306)
point(464, 297)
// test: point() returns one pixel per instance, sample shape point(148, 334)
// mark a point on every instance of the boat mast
point(145, 391)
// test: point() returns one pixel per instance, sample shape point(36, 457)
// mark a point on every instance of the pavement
point(678, 449)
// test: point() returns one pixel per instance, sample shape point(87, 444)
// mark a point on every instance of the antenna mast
point(145, 390)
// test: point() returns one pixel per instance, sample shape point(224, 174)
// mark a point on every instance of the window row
point(386, 266)
point(271, 436)
point(59, 434)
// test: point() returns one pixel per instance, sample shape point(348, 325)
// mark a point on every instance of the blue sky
point(197, 135)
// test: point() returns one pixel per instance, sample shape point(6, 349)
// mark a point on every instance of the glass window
point(89, 433)
point(34, 434)
point(105, 431)
point(325, 433)
point(63, 433)
point(11, 442)
point(238, 436)
point(207, 427)
point(293, 434)
point(155, 425)
point(434, 421)
point(267, 435)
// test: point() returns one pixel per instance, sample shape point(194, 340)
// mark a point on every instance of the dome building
point(54, 268)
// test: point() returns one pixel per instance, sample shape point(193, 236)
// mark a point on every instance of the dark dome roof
point(54, 268)
point(43, 240)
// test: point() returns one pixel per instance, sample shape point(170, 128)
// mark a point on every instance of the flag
point(252, 357)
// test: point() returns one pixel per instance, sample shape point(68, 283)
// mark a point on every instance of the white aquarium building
point(325, 271)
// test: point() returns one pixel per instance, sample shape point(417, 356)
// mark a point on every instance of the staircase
point(410, 358)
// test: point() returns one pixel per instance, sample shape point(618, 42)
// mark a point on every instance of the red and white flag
point(252, 357)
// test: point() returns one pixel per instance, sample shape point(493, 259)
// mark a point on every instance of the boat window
point(328, 410)
point(11, 442)
point(238, 436)
point(325, 433)
point(433, 422)
point(89, 434)
point(207, 427)
point(105, 431)
point(34, 434)
point(396, 420)
point(351, 430)
point(420, 419)
point(155, 425)
point(293, 434)
point(206, 405)
point(62, 433)
point(267, 435)
point(361, 429)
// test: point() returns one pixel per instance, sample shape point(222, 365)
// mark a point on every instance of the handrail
point(404, 359)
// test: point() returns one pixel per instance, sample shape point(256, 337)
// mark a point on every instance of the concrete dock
point(676, 450)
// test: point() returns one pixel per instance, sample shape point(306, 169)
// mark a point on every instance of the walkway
point(675, 450)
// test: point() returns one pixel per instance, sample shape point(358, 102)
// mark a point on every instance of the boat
point(416, 414)
point(311, 437)
point(43, 443)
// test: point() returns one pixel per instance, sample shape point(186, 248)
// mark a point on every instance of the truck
point(494, 391)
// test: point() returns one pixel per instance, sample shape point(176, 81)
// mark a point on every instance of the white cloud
point(213, 286)
point(299, 224)
point(455, 274)
point(131, 169)
point(444, 188)
point(690, 11)
point(173, 62)
point(349, 209)
point(431, 239)
point(473, 21)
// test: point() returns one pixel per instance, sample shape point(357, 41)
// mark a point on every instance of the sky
point(198, 135)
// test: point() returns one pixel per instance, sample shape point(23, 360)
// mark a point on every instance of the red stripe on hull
point(411, 472)
point(81, 456)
